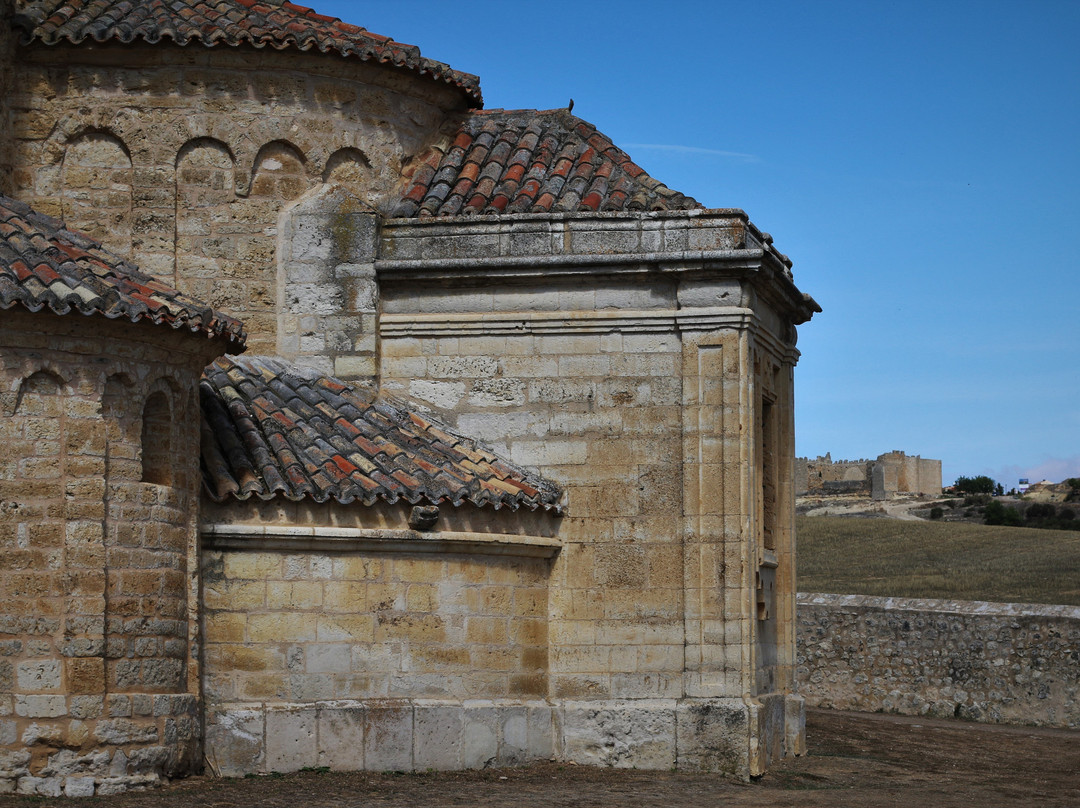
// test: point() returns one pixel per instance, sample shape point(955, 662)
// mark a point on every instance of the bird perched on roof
point(570, 108)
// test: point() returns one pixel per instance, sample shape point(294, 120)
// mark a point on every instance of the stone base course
point(422, 735)
point(1001, 663)
point(377, 736)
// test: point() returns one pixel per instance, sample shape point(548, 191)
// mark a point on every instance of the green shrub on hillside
point(976, 485)
point(998, 514)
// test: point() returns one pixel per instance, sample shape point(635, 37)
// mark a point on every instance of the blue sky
point(919, 162)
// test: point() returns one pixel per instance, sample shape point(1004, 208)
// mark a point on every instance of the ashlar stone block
point(341, 737)
point(620, 734)
point(388, 737)
point(291, 739)
point(437, 743)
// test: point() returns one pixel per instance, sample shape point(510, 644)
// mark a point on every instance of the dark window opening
point(156, 440)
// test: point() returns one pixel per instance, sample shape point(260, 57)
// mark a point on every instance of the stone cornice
point(569, 264)
point(557, 323)
point(295, 538)
point(761, 266)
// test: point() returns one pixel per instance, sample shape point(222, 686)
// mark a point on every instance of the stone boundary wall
point(1002, 663)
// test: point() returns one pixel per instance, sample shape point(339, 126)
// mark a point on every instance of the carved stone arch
point(44, 382)
point(349, 167)
point(96, 188)
point(280, 172)
point(205, 188)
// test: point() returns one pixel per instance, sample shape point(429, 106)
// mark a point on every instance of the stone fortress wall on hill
point(885, 477)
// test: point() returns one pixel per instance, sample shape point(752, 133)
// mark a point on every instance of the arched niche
point(349, 167)
point(280, 172)
point(39, 395)
point(96, 182)
point(204, 191)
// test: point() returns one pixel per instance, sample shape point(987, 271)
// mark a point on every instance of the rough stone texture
point(7, 69)
point(642, 360)
point(662, 402)
point(327, 319)
point(170, 155)
point(95, 560)
point(993, 662)
point(309, 627)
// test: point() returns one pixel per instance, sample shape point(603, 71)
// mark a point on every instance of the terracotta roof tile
point(258, 23)
point(530, 161)
point(270, 429)
point(43, 264)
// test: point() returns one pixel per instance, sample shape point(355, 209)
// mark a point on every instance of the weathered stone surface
point(999, 663)
point(621, 734)
point(641, 359)
point(388, 738)
point(79, 787)
point(341, 737)
point(235, 740)
point(291, 742)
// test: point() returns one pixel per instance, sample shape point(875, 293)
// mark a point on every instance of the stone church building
point(350, 424)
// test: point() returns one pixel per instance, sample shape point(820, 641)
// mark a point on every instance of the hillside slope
point(919, 559)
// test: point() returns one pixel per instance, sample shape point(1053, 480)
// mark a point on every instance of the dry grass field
point(917, 559)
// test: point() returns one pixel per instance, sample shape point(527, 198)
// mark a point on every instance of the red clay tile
point(529, 155)
point(43, 264)
point(408, 456)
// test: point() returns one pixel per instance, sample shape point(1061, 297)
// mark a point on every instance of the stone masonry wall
point(601, 414)
point(290, 627)
point(188, 159)
point(641, 362)
point(7, 69)
point(97, 679)
point(992, 662)
point(355, 642)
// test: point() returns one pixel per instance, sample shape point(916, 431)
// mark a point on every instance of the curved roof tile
point(530, 161)
point(259, 23)
point(43, 264)
point(274, 429)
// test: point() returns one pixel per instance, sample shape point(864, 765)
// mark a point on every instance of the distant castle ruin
point(890, 475)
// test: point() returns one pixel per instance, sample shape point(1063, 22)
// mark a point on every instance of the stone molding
point(484, 324)
point(557, 323)
point(290, 538)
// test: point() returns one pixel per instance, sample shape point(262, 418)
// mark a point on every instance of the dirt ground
point(856, 759)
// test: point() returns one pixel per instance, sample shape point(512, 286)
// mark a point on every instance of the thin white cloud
point(678, 149)
point(1054, 469)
